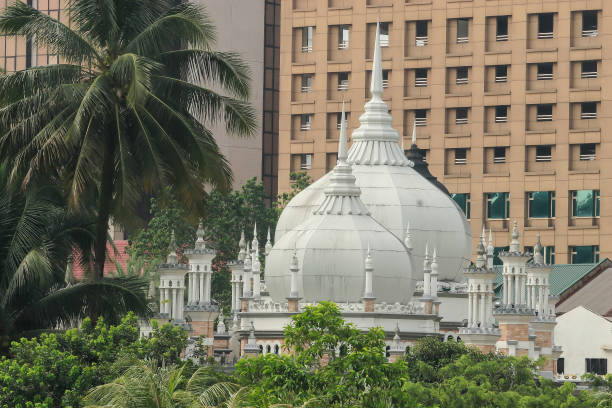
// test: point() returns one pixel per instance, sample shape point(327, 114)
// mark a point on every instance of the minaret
point(246, 280)
point(255, 242)
point(242, 246)
point(172, 285)
point(251, 349)
point(433, 283)
point(397, 350)
point(368, 293)
point(294, 295)
point(408, 239)
point(490, 251)
point(427, 299)
point(256, 272)
point(268, 246)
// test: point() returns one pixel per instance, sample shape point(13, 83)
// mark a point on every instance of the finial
point(255, 242)
point(247, 258)
point(414, 132)
point(408, 237)
point(396, 338)
point(538, 257)
point(294, 260)
point(515, 246)
point(200, 243)
point(426, 260)
point(294, 269)
point(268, 247)
point(368, 260)
point(342, 143)
point(434, 262)
point(483, 236)
point(242, 246)
point(172, 257)
point(252, 332)
point(376, 85)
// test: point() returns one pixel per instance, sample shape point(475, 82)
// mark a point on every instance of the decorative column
point(190, 289)
point(368, 295)
point(426, 299)
point(174, 304)
point(256, 271)
point(470, 308)
point(251, 349)
point(181, 302)
point(294, 295)
point(433, 283)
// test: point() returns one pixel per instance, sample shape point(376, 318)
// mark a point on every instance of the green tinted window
point(585, 203)
point(496, 251)
point(585, 254)
point(498, 205)
point(549, 255)
point(463, 200)
point(541, 204)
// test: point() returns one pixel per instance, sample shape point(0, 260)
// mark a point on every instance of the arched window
point(459, 339)
point(260, 349)
point(170, 283)
point(387, 354)
point(343, 350)
point(450, 338)
point(198, 268)
point(276, 349)
point(268, 349)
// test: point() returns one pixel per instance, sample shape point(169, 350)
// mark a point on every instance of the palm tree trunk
point(104, 205)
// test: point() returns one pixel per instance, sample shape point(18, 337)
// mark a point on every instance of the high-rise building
point(508, 98)
point(250, 28)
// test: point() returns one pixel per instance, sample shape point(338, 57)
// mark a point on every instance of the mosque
point(382, 238)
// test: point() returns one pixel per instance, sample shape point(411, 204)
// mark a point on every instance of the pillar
point(470, 305)
point(161, 300)
point(207, 287)
point(482, 309)
point(201, 288)
point(181, 303)
point(174, 305)
point(474, 309)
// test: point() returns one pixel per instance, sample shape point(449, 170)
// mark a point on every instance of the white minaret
point(514, 273)
point(242, 246)
point(538, 283)
point(433, 276)
point(408, 238)
point(172, 285)
point(268, 246)
point(246, 275)
point(200, 272)
point(426, 273)
point(256, 272)
point(369, 269)
point(490, 251)
point(294, 269)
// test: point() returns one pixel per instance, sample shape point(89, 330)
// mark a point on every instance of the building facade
point(508, 98)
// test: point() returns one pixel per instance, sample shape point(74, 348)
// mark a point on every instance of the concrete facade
point(466, 157)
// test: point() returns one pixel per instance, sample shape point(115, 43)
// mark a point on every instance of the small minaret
point(200, 243)
point(251, 349)
point(172, 285)
point(294, 294)
point(368, 293)
point(397, 350)
point(221, 323)
point(268, 246)
point(172, 258)
point(490, 251)
point(242, 246)
point(408, 239)
point(246, 280)
point(426, 298)
point(433, 283)
point(255, 242)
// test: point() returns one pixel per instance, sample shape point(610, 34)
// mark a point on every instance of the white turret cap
point(268, 246)
point(172, 258)
point(515, 245)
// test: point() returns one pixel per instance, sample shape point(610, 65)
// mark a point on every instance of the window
point(305, 121)
point(544, 113)
point(460, 156)
point(588, 151)
point(420, 117)
point(585, 254)
point(545, 71)
point(541, 204)
point(498, 206)
point(422, 35)
point(463, 30)
point(339, 119)
point(343, 81)
point(501, 114)
point(420, 77)
point(501, 33)
point(501, 73)
point(307, 83)
point(589, 23)
point(461, 116)
point(385, 78)
point(384, 34)
point(585, 203)
point(589, 69)
point(549, 255)
point(588, 110)
point(343, 37)
point(306, 162)
point(462, 76)
point(499, 155)
point(545, 25)
point(307, 33)
point(423, 153)
point(596, 365)
point(496, 251)
point(543, 153)
point(560, 365)
point(463, 201)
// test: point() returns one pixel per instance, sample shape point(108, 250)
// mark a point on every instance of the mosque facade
point(381, 238)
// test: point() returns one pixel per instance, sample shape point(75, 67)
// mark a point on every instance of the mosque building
point(380, 237)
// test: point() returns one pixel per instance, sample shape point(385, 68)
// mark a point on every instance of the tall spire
point(483, 236)
point(342, 142)
point(172, 257)
point(294, 269)
point(433, 284)
point(242, 246)
point(408, 238)
point(376, 87)
point(490, 251)
point(255, 242)
point(369, 268)
point(515, 245)
point(538, 257)
point(268, 246)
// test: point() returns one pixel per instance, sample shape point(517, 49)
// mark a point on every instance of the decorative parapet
point(202, 308)
point(446, 287)
point(269, 306)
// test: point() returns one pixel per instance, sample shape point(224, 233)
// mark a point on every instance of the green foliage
point(299, 181)
point(57, 369)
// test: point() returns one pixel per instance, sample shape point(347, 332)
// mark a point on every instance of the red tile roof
point(119, 256)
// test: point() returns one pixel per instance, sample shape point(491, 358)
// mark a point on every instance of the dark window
point(545, 71)
point(589, 69)
point(344, 37)
point(461, 116)
point(501, 73)
point(462, 76)
point(560, 365)
point(462, 30)
point(589, 23)
point(420, 117)
point(585, 254)
point(461, 156)
point(546, 25)
point(543, 153)
point(498, 205)
point(588, 151)
point(420, 77)
point(549, 255)
point(463, 201)
point(585, 203)
point(499, 155)
point(496, 251)
point(588, 110)
point(501, 114)
point(421, 33)
point(307, 33)
point(544, 113)
point(343, 81)
point(502, 28)
point(307, 83)
point(541, 204)
point(597, 365)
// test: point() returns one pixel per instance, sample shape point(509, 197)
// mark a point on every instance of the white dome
point(394, 192)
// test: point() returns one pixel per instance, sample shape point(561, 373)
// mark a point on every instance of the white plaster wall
point(453, 309)
point(583, 334)
point(240, 28)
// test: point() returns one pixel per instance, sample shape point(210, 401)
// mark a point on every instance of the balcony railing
point(462, 40)
point(385, 83)
point(306, 88)
point(420, 81)
point(543, 36)
point(501, 37)
point(543, 158)
point(306, 48)
point(422, 41)
point(589, 74)
point(420, 121)
point(544, 117)
point(343, 45)
point(461, 81)
point(461, 121)
point(343, 86)
point(499, 160)
point(590, 33)
point(502, 78)
point(460, 162)
point(501, 119)
point(588, 115)
point(384, 42)
point(587, 157)
point(544, 76)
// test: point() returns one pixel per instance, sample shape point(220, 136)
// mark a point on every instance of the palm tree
point(143, 384)
point(37, 237)
point(126, 111)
